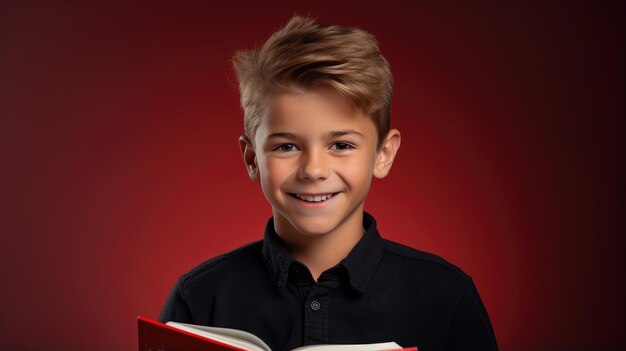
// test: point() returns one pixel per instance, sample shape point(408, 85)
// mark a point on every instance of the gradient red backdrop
point(120, 168)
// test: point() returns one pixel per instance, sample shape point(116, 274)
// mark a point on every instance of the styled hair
point(305, 55)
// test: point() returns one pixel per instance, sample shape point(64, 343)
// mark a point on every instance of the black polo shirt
point(382, 291)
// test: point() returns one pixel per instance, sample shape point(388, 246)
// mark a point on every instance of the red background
point(120, 168)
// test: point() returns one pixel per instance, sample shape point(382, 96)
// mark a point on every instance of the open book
point(174, 336)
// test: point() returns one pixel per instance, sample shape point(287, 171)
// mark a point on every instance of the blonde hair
point(305, 55)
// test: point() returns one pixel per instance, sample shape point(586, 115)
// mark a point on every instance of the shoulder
point(424, 265)
point(246, 255)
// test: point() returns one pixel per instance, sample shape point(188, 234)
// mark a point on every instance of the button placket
point(316, 312)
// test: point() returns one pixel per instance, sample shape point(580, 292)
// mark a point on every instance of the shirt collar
point(360, 262)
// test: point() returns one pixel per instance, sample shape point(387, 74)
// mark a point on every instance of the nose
point(314, 165)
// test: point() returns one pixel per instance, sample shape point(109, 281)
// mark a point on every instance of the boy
point(316, 112)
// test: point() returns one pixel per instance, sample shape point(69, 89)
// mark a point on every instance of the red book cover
point(156, 336)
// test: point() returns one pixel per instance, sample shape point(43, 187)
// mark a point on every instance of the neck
point(320, 252)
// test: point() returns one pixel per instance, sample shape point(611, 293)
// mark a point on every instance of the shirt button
point(315, 305)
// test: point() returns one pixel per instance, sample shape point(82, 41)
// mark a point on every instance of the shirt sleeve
point(470, 328)
point(176, 307)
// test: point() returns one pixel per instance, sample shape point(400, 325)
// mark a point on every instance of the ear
point(384, 157)
point(249, 157)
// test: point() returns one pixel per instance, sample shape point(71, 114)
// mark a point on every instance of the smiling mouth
point(313, 198)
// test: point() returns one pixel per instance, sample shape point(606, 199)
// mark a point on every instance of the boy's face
point(310, 146)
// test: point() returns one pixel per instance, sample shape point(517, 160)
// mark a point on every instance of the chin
point(312, 227)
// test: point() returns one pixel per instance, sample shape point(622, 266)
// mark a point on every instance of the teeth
point(317, 198)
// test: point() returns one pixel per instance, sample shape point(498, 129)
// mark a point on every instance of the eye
point(343, 146)
point(285, 147)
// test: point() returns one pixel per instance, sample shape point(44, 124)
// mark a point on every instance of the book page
point(351, 347)
point(235, 337)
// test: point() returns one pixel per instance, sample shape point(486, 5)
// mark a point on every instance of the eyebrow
point(332, 134)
